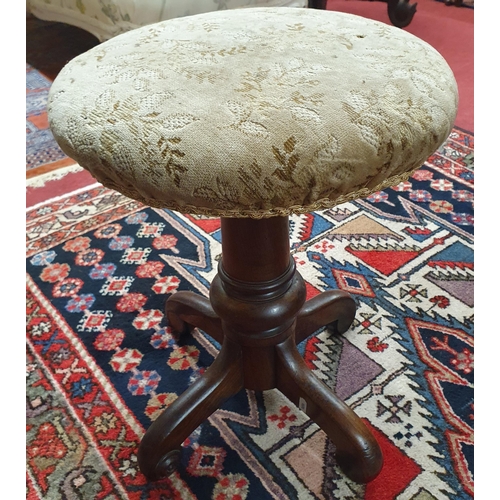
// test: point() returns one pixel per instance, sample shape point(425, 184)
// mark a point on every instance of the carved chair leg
point(331, 307)
point(159, 453)
point(357, 452)
point(185, 310)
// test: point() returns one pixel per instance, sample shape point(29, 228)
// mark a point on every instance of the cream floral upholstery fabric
point(108, 18)
point(254, 112)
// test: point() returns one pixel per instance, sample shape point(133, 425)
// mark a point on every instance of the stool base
point(259, 322)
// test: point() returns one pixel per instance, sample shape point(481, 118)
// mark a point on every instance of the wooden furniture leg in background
point(400, 12)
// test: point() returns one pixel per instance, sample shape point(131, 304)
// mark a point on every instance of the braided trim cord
point(322, 204)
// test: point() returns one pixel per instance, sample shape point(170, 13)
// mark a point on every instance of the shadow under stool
point(252, 115)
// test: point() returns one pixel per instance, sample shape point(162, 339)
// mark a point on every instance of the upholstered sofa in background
point(108, 18)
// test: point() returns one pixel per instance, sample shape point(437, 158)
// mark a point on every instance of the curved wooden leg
point(158, 450)
point(188, 309)
point(358, 453)
point(331, 307)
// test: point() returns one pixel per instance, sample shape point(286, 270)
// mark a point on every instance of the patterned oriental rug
point(43, 154)
point(102, 364)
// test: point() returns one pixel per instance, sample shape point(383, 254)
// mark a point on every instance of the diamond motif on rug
point(353, 283)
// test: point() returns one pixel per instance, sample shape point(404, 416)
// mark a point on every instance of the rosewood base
point(258, 313)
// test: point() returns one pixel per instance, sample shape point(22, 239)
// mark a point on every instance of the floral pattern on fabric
point(254, 113)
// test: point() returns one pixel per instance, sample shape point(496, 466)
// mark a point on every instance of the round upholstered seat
point(254, 112)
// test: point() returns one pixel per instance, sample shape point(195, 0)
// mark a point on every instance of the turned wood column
point(257, 293)
point(255, 250)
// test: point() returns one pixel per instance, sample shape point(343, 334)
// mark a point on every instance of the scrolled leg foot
point(358, 453)
point(185, 310)
point(169, 463)
point(333, 307)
